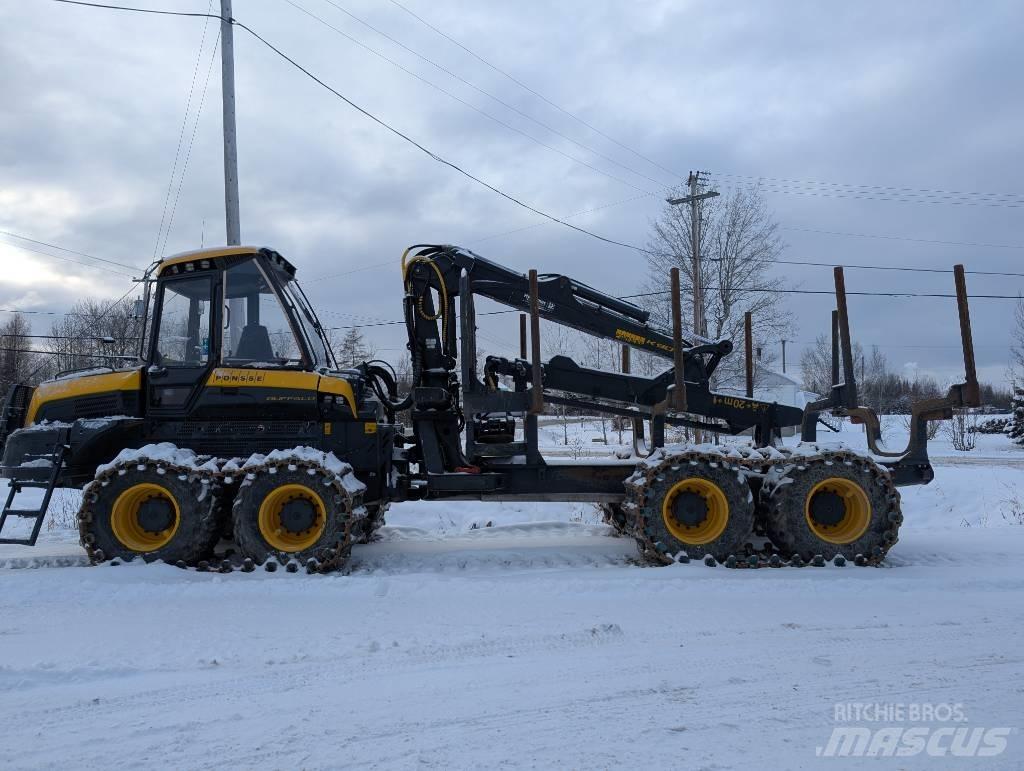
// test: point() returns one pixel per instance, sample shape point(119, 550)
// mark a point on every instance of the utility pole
point(227, 70)
point(231, 218)
point(783, 357)
point(694, 199)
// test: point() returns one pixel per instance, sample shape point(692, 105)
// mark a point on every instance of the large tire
point(728, 511)
point(865, 519)
point(118, 513)
point(260, 526)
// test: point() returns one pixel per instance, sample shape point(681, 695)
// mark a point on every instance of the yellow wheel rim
point(856, 514)
point(124, 518)
point(713, 524)
point(272, 527)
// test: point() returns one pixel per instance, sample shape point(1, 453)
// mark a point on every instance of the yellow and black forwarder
point(237, 438)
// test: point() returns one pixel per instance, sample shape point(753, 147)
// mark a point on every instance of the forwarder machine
point(238, 441)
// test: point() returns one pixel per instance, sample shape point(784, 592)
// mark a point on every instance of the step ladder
point(60, 449)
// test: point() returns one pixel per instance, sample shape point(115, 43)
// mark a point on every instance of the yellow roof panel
point(207, 254)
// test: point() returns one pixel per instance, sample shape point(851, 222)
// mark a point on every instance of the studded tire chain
point(332, 558)
point(775, 469)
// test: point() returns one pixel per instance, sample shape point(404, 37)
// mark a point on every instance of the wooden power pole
point(694, 199)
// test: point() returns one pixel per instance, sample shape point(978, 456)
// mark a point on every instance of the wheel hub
point(827, 508)
point(155, 515)
point(298, 515)
point(690, 509)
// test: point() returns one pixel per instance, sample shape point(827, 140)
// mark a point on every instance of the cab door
point(183, 346)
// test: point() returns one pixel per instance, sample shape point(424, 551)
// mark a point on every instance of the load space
point(237, 441)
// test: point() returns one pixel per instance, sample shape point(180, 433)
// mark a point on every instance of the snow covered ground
point(536, 641)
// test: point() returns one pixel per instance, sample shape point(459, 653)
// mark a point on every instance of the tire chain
point(335, 558)
point(773, 465)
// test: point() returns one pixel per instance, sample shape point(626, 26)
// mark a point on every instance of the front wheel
point(149, 511)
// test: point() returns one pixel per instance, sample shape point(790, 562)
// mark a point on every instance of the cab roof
point(213, 252)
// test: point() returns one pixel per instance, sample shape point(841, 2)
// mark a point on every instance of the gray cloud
point(921, 95)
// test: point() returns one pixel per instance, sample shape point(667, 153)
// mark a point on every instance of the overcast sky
point(923, 96)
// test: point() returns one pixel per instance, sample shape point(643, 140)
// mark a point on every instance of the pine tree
point(1015, 429)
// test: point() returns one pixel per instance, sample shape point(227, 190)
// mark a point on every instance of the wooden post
point(537, 400)
point(522, 336)
point(846, 345)
point(748, 328)
point(679, 390)
point(972, 396)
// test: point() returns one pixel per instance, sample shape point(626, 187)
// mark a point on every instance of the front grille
point(230, 439)
point(97, 406)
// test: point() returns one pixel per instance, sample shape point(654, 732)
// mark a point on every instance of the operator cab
point(233, 307)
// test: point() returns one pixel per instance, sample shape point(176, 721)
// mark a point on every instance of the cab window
point(257, 331)
point(183, 339)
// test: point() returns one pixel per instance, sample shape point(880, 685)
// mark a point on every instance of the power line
point(102, 339)
point(354, 270)
point(181, 133)
point(191, 142)
point(540, 96)
point(140, 10)
point(487, 185)
point(904, 238)
point(116, 357)
point(367, 113)
point(462, 101)
point(927, 192)
point(68, 259)
point(69, 251)
point(488, 94)
point(776, 290)
point(784, 189)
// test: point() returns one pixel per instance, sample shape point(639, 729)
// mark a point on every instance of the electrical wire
point(369, 115)
point(191, 142)
point(540, 96)
point(69, 251)
point(68, 259)
point(904, 238)
point(462, 101)
point(489, 95)
point(769, 187)
point(926, 192)
point(181, 133)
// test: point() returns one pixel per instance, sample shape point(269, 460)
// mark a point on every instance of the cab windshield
point(257, 329)
point(309, 322)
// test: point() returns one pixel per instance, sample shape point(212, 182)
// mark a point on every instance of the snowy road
point(529, 645)
point(536, 641)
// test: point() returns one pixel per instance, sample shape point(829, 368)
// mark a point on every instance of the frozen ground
point(533, 642)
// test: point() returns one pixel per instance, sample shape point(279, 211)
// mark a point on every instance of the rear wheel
point(697, 507)
point(298, 512)
point(834, 506)
point(144, 511)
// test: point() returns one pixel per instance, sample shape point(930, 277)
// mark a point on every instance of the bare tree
point(1017, 350)
point(17, 363)
point(739, 240)
point(95, 333)
point(816, 365)
point(559, 341)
